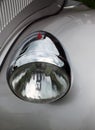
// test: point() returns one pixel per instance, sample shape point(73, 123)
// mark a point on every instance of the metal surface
point(39, 71)
point(77, 110)
point(75, 28)
point(33, 12)
point(9, 9)
point(71, 4)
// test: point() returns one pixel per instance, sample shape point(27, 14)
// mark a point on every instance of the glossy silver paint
point(75, 28)
point(34, 11)
point(39, 71)
point(9, 9)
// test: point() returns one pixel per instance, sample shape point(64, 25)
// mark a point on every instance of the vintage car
point(47, 65)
